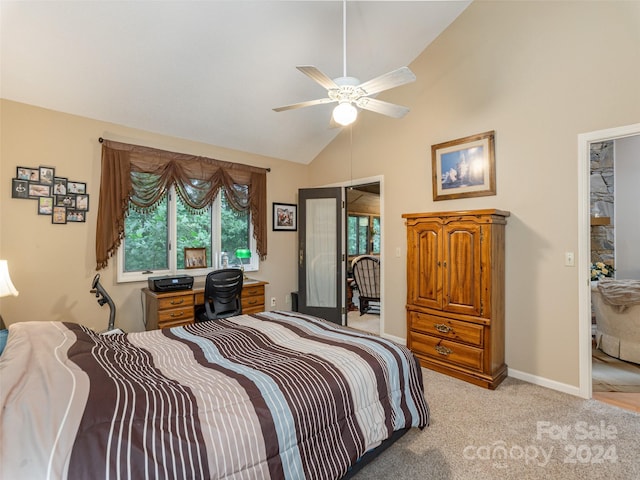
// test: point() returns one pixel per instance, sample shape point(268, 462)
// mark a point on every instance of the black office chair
point(222, 295)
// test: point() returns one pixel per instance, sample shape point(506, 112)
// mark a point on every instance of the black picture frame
point(59, 186)
point(45, 205)
point(76, 216)
point(82, 202)
point(47, 174)
point(37, 190)
point(76, 188)
point(285, 217)
point(19, 188)
point(28, 173)
point(67, 201)
point(59, 215)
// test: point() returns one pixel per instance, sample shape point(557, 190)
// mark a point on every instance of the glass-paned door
point(320, 255)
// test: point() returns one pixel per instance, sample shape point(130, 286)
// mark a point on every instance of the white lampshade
point(6, 286)
point(345, 113)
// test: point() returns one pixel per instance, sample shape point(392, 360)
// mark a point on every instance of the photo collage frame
point(64, 200)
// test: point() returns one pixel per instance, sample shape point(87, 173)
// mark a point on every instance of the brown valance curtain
point(142, 176)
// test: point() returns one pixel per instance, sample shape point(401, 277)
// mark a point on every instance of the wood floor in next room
point(614, 381)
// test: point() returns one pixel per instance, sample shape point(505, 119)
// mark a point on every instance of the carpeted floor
point(519, 431)
point(368, 322)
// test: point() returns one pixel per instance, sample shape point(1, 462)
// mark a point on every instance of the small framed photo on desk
point(195, 258)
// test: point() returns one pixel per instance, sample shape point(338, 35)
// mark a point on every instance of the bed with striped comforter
point(272, 395)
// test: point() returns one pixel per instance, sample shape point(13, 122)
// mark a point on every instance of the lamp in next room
point(243, 254)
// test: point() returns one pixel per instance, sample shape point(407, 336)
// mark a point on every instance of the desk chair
point(222, 295)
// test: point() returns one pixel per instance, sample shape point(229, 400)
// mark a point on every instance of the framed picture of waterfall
point(464, 167)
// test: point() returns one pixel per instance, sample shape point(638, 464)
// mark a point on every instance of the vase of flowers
point(600, 270)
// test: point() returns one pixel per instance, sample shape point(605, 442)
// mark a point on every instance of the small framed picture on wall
point(45, 205)
point(76, 187)
point(46, 175)
point(285, 216)
point(59, 215)
point(19, 188)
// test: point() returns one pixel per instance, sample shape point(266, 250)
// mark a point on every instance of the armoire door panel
point(425, 288)
point(462, 279)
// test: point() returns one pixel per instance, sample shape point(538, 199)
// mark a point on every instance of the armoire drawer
point(466, 332)
point(446, 351)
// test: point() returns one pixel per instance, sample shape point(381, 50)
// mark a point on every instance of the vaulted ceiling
point(208, 71)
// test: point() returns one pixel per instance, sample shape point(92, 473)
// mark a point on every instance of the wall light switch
point(398, 252)
point(569, 259)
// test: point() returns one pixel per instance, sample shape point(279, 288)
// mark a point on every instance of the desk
point(172, 309)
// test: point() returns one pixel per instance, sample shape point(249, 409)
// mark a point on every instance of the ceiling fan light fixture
point(345, 113)
point(350, 94)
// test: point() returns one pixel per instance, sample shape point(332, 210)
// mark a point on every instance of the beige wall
point(539, 74)
point(52, 265)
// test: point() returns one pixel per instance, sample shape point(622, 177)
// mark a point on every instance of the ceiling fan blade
point(319, 77)
point(308, 103)
point(388, 80)
point(385, 108)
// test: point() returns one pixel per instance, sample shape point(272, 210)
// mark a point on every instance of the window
point(147, 248)
point(363, 235)
point(136, 179)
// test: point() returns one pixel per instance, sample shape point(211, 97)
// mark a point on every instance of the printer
point(170, 283)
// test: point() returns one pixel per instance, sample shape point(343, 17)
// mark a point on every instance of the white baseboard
point(526, 377)
point(545, 382)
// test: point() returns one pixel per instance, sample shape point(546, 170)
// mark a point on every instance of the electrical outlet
point(273, 301)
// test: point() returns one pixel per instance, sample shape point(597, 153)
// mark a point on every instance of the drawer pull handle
point(253, 302)
point(173, 315)
point(442, 328)
point(442, 350)
point(177, 302)
point(251, 292)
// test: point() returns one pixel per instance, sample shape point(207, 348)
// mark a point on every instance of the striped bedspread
point(271, 395)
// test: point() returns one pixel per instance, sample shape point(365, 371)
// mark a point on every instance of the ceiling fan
point(349, 93)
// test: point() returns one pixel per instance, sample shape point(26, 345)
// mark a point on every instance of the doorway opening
point(585, 209)
point(363, 234)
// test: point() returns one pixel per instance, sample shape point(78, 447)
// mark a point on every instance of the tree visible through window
point(147, 243)
point(363, 235)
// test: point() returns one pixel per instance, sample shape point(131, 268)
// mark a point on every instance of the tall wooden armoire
point(455, 293)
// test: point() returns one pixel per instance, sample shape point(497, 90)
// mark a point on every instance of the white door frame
point(584, 245)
